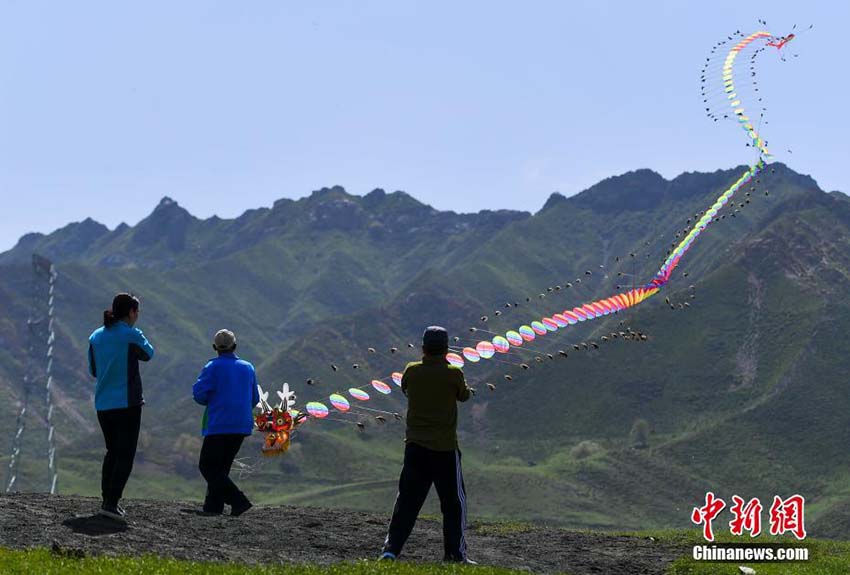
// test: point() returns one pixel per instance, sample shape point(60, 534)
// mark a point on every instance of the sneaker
point(111, 511)
point(387, 556)
point(239, 508)
point(121, 511)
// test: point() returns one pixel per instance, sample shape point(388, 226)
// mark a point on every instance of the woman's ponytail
point(122, 305)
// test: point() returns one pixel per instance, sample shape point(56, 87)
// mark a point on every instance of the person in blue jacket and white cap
point(228, 388)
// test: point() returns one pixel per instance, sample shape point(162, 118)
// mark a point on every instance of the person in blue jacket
point(115, 350)
point(228, 387)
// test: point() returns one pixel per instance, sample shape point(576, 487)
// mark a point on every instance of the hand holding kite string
point(518, 339)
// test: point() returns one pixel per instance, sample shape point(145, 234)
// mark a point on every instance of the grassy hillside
point(743, 389)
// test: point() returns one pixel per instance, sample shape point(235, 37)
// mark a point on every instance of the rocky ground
point(308, 535)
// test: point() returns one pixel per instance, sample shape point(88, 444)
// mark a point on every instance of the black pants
point(217, 455)
point(422, 467)
point(121, 433)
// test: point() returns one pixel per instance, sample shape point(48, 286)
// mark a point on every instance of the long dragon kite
point(278, 422)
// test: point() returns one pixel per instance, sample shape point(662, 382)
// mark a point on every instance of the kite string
point(636, 295)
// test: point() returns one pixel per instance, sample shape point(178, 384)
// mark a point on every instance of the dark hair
point(122, 305)
point(435, 340)
point(435, 350)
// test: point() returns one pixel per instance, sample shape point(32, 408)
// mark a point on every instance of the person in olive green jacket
point(431, 454)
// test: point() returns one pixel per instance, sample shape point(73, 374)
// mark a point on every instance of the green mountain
point(740, 391)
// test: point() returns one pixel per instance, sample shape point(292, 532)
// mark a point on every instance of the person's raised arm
point(463, 391)
point(204, 386)
point(141, 345)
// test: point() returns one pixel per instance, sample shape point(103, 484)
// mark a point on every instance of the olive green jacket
point(433, 388)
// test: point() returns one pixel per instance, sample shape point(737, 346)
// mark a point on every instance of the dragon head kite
point(278, 422)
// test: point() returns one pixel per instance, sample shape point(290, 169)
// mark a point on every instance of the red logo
point(786, 516)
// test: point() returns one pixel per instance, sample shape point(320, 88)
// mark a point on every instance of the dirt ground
point(308, 535)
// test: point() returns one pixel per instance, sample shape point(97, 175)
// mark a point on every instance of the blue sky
point(106, 107)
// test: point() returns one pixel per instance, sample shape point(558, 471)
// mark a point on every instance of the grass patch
point(46, 562)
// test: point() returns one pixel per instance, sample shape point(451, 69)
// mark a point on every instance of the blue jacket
point(228, 387)
point(114, 355)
